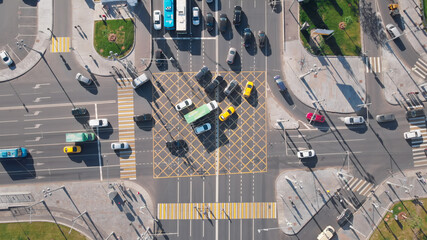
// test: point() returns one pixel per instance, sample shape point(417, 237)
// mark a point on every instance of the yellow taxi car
point(72, 149)
point(226, 114)
point(248, 89)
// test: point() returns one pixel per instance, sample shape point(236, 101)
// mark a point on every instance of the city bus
point(168, 15)
point(18, 152)
point(181, 16)
point(200, 112)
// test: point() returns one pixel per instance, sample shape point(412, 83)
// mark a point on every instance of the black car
point(159, 57)
point(143, 118)
point(261, 38)
point(201, 73)
point(177, 147)
point(237, 15)
point(78, 111)
point(247, 36)
point(223, 22)
point(345, 216)
point(215, 83)
point(209, 21)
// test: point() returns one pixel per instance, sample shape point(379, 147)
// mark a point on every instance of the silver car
point(230, 87)
point(231, 55)
point(83, 79)
point(120, 145)
point(204, 128)
point(385, 118)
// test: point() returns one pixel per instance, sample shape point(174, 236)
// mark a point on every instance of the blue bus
point(168, 14)
point(19, 152)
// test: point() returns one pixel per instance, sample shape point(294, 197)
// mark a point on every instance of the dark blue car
point(280, 83)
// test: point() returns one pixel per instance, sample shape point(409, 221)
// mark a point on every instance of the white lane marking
point(38, 85)
point(61, 118)
point(10, 134)
point(35, 140)
point(185, 38)
point(191, 197)
point(40, 98)
point(9, 121)
point(35, 126)
point(217, 126)
point(99, 144)
point(336, 153)
point(177, 200)
point(56, 105)
point(36, 113)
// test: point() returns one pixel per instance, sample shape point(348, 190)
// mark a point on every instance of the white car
point(196, 16)
point(83, 79)
point(103, 122)
point(412, 134)
point(204, 128)
point(354, 120)
point(120, 145)
point(306, 153)
point(157, 19)
point(327, 234)
point(183, 105)
point(6, 58)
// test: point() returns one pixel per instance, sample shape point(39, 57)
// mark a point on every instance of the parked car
point(119, 145)
point(78, 111)
point(201, 73)
point(139, 81)
point(159, 57)
point(72, 149)
point(231, 55)
point(306, 153)
point(412, 134)
point(209, 1)
point(203, 128)
point(326, 234)
point(261, 38)
point(280, 83)
point(248, 89)
point(102, 122)
point(226, 114)
point(385, 118)
point(247, 37)
point(315, 117)
point(215, 83)
point(5, 58)
point(83, 79)
point(344, 216)
point(393, 31)
point(230, 87)
point(354, 120)
point(223, 23)
point(143, 118)
point(196, 16)
point(237, 18)
point(157, 20)
point(184, 104)
point(177, 147)
point(209, 21)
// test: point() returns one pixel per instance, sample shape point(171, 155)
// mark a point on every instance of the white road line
point(185, 38)
point(56, 105)
point(11, 134)
point(99, 144)
point(9, 121)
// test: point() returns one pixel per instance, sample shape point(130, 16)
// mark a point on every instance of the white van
point(137, 82)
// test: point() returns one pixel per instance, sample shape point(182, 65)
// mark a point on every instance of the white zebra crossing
point(360, 186)
point(373, 64)
point(418, 145)
point(420, 68)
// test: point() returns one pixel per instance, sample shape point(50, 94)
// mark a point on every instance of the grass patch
point(327, 14)
point(425, 12)
point(37, 231)
point(413, 227)
point(122, 30)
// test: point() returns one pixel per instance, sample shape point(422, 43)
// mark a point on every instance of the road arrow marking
point(35, 140)
point(40, 98)
point(40, 84)
point(36, 113)
point(35, 126)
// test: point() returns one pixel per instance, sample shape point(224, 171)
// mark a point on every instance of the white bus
point(181, 16)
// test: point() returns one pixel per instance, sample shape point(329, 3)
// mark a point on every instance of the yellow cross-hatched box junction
point(233, 210)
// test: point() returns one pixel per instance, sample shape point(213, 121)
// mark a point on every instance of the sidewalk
point(369, 215)
point(340, 81)
point(128, 216)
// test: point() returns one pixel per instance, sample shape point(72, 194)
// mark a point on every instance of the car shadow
point(147, 125)
point(83, 119)
point(253, 98)
point(20, 168)
point(237, 65)
point(389, 125)
point(230, 123)
point(310, 162)
point(105, 132)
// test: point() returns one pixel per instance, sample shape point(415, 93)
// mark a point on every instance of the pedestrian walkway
point(420, 68)
point(226, 211)
point(125, 94)
point(419, 144)
point(358, 185)
point(60, 44)
point(373, 64)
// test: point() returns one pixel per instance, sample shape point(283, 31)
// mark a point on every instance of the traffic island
point(342, 17)
point(406, 218)
point(115, 36)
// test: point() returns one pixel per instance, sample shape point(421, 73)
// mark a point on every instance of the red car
point(315, 117)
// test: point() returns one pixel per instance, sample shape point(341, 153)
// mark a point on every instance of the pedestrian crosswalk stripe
point(418, 145)
point(373, 64)
point(235, 210)
point(420, 68)
point(360, 186)
point(60, 44)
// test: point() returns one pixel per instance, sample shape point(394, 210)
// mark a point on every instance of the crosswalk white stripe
point(419, 157)
point(379, 64)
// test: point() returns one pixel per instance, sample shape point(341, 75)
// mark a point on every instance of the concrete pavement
point(128, 215)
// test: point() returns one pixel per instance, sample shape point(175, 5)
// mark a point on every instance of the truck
point(200, 112)
point(79, 137)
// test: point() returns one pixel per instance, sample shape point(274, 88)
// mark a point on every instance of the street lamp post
point(281, 121)
point(48, 192)
point(74, 220)
point(366, 105)
point(29, 207)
